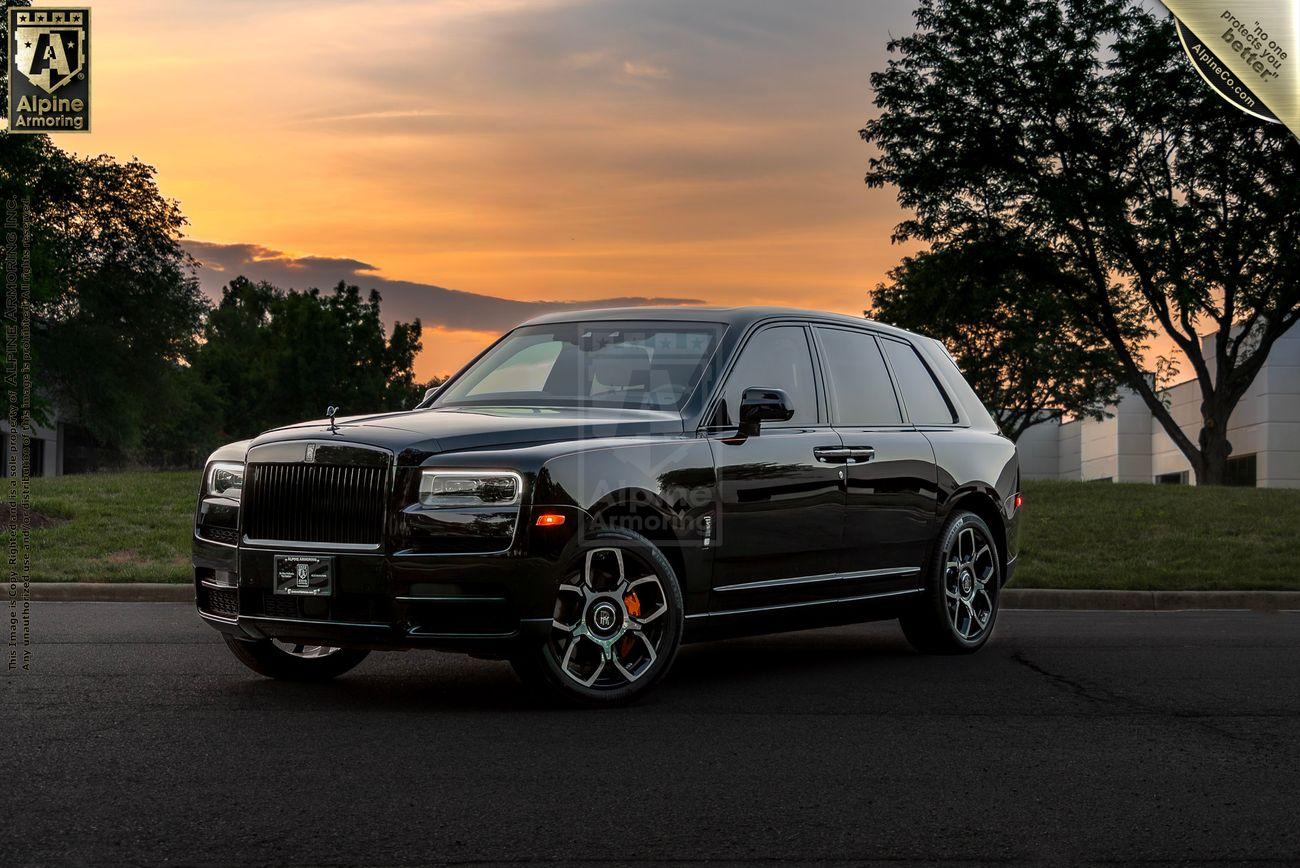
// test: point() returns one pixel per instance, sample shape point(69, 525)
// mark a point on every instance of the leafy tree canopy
point(115, 305)
point(272, 357)
point(1079, 126)
point(996, 302)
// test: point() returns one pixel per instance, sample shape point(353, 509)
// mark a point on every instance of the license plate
point(304, 575)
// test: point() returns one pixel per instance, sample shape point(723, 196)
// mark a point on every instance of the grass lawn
point(135, 527)
point(118, 527)
point(1158, 537)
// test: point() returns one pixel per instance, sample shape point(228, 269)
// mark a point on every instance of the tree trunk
point(1212, 469)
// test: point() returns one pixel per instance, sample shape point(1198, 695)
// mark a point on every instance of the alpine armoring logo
point(1219, 77)
point(49, 70)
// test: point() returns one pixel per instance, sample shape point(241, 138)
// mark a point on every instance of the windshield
point(638, 365)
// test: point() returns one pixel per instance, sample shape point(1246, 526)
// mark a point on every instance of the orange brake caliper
point(633, 603)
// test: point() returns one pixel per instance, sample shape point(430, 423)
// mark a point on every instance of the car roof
point(737, 316)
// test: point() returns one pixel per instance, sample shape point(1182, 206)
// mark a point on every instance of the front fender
point(666, 490)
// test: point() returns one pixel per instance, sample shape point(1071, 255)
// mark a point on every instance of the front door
point(891, 474)
point(781, 509)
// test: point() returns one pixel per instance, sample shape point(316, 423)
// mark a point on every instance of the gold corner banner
point(1248, 51)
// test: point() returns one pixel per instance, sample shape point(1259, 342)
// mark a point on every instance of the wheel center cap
point(966, 583)
point(604, 616)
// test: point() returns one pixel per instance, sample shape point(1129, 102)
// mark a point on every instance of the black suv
point(598, 487)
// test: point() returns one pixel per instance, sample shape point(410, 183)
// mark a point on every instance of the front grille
point(219, 601)
point(315, 503)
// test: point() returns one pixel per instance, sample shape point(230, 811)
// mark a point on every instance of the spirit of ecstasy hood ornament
point(331, 411)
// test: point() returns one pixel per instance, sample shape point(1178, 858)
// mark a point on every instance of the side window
point(926, 405)
point(776, 357)
point(861, 391)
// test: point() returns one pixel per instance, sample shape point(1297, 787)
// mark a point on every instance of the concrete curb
point(1012, 598)
point(124, 592)
point(1149, 601)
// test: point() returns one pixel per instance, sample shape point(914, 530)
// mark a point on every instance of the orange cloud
point(513, 149)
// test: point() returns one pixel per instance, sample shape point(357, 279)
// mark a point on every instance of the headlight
point(226, 479)
point(470, 488)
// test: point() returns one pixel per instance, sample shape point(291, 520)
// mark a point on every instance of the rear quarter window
point(925, 401)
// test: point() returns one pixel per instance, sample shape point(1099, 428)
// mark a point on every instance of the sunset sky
point(516, 153)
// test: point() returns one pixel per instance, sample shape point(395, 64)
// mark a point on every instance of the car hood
point(453, 429)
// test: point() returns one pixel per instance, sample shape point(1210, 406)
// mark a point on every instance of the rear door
point(781, 506)
point(891, 476)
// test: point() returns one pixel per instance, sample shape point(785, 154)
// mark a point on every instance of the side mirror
point(759, 404)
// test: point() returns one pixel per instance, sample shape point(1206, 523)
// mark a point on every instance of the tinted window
point(926, 405)
point(861, 393)
point(777, 358)
point(1241, 471)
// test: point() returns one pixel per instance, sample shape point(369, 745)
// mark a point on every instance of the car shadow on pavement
point(789, 656)
point(432, 681)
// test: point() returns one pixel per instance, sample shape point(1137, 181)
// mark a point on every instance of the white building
point(46, 445)
point(1131, 446)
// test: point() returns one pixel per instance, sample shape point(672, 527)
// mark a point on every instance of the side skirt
point(809, 615)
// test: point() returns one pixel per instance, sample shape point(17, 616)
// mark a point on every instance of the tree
point(273, 357)
point(1079, 125)
point(115, 304)
point(996, 301)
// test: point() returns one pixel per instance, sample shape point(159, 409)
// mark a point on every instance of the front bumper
point(480, 603)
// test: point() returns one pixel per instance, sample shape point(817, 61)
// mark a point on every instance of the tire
point(622, 659)
point(265, 657)
point(959, 608)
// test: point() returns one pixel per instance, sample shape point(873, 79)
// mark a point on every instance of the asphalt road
point(1073, 737)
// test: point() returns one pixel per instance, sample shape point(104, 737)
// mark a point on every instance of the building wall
point(1184, 403)
point(1131, 446)
point(52, 461)
point(1278, 390)
point(1118, 447)
point(1069, 450)
point(1039, 449)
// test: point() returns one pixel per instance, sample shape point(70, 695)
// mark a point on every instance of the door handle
point(861, 453)
point(832, 454)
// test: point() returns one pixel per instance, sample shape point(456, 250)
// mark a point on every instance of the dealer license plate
point(304, 575)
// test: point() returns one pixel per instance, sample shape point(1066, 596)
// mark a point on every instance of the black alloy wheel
point(616, 626)
point(960, 603)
